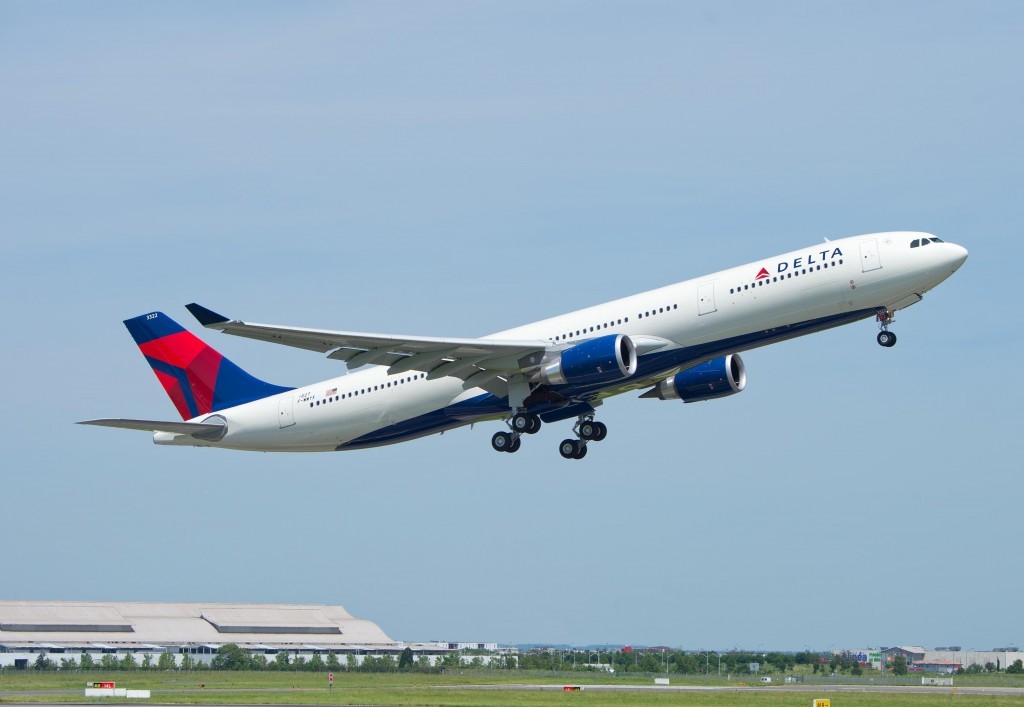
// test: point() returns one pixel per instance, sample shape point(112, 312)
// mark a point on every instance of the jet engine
point(601, 360)
point(712, 379)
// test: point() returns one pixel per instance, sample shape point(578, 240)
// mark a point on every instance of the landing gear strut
point(587, 430)
point(885, 337)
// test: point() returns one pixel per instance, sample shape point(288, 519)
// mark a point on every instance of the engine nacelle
point(601, 360)
point(714, 379)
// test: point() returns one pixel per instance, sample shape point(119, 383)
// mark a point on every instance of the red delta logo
point(762, 275)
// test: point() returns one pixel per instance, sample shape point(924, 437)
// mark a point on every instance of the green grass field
point(441, 690)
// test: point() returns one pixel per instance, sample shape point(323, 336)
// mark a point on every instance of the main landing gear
point(521, 423)
point(587, 430)
point(885, 337)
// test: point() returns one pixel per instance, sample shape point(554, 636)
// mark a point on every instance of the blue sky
point(457, 169)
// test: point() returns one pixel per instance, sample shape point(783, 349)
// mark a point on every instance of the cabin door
point(285, 417)
point(706, 299)
point(869, 256)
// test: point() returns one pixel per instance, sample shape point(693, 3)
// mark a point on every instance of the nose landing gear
point(885, 337)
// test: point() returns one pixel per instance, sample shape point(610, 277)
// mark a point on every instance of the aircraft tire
point(568, 448)
point(501, 441)
point(886, 339)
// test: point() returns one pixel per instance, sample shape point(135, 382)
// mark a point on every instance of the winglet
point(205, 316)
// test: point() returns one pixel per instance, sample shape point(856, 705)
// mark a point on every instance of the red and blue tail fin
point(197, 378)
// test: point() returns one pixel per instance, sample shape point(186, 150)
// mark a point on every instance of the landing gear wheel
point(570, 448)
point(516, 444)
point(589, 430)
point(602, 431)
point(534, 424)
point(886, 339)
point(581, 453)
point(525, 422)
point(502, 442)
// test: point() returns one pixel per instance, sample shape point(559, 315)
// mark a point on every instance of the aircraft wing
point(478, 362)
point(201, 430)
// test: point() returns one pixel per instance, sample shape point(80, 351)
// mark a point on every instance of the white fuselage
point(726, 312)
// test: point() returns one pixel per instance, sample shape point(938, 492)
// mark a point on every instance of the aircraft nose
point(957, 255)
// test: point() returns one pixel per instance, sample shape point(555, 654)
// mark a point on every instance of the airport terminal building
point(28, 628)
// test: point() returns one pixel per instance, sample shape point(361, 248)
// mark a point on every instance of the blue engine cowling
point(712, 379)
point(601, 360)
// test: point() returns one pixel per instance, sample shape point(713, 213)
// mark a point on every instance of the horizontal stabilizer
point(200, 430)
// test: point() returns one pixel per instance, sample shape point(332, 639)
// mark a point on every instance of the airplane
point(680, 342)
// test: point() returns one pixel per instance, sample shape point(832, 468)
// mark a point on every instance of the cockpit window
point(915, 243)
point(925, 241)
point(937, 240)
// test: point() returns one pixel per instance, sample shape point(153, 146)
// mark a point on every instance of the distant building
point(69, 629)
point(911, 653)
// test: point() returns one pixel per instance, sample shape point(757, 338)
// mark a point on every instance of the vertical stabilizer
point(197, 378)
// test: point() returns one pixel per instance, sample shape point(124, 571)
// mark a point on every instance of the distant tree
point(147, 661)
point(44, 663)
point(186, 661)
point(405, 660)
point(453, 660)
point(299, 663)
point(332, 663)
point(351, 662)
point(899, 665)
point(856, 669)
point(231, 656)
point(649, 663)
point(128, 662)
point(1016, 668)
point(166, 662)
point(109, 662)
point(259, 662)
point(68, 664)
point(87, 662)
point(991, 667)
point(974, 669)
point(281, 661)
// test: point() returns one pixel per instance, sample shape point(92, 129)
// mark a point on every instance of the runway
point(557, 687)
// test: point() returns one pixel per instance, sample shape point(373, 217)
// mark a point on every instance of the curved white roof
point(168, 624)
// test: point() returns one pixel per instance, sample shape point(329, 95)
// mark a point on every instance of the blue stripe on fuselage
point(651, 364)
